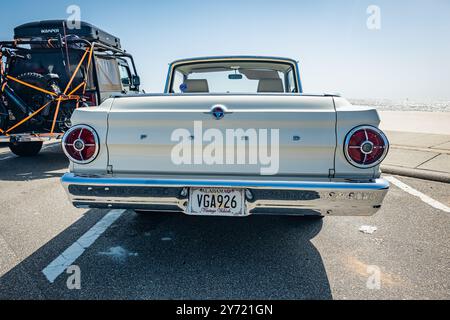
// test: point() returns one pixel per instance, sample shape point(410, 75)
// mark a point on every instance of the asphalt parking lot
point(172, 256)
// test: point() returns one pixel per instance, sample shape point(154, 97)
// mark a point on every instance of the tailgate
point(143, 136)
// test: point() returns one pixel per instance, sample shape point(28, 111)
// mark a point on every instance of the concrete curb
point(417, 173)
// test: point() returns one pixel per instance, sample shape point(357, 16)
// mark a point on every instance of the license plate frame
point(198, 205)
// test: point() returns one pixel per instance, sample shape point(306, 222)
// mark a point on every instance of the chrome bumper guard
point(341, 198)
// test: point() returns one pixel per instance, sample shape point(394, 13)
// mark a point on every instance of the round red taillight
point(80, 144)
point(366, 146)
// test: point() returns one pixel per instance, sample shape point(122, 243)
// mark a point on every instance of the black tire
point(26, 149)
point(31, 97)
point(4, 116)
point(35, 99)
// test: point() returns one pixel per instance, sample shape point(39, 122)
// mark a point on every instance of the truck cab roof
point(232, 57)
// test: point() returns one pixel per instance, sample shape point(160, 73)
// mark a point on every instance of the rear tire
point(26, 149)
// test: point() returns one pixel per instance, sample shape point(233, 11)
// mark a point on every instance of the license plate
point(216, 202)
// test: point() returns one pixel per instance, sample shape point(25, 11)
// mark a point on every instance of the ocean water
point(404, 105)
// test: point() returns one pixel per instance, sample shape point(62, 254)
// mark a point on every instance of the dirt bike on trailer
point(48, 71)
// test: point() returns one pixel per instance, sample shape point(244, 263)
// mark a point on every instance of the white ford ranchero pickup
point(231, 136)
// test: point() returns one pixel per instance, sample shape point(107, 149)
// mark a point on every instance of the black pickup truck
point(48, 71)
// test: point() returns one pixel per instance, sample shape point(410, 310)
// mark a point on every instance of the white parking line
point(414, 192)
point(72, 253)
point(8, 157)
point(51, 145)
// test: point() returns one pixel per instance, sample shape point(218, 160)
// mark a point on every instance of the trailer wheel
point(25, 149)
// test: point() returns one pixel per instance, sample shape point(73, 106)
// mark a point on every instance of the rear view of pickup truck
point(231, 136)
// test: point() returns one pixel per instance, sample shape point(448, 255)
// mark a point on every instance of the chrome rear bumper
point(327, 197)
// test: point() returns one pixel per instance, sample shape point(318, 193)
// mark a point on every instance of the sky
point(407, 57)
